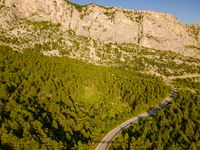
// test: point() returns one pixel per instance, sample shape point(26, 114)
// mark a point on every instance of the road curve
point(104, 144)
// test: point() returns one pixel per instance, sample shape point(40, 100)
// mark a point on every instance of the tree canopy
point(63, 103)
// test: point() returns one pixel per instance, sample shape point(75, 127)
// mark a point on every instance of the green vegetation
point(152, 37)
point(108, 13)
point(46, 36)
point(191, 84)
point(43, 24)
point(62, 103)
point(77, 6)
point(195, 29)
point(111, 15)
point(56, 103)
point(134, 16)
point(176, 127)
point(193, 47)
point(142, 59)
point(139, 16)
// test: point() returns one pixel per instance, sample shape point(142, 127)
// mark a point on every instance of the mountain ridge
point(69, 74)
point(109, 24)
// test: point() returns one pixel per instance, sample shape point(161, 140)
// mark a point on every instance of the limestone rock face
point(146, 28)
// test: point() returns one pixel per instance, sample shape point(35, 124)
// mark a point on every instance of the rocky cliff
point(146, 28)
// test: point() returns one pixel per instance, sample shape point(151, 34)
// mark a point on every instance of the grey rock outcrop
point(147, 28)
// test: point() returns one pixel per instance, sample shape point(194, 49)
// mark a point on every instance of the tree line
point(63, 103)
point(176, 127)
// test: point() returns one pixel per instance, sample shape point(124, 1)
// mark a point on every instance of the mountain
point(102, 35)
point(107, 24)
point(69, 74)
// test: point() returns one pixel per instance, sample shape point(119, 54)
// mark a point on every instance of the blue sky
point(187, 11)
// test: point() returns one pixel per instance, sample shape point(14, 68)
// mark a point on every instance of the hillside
point(146, 28)
point(69, 74)
point(62, 103)
point(39, 29)
point(176, 127)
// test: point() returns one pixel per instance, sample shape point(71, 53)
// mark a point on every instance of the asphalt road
point(104, 144)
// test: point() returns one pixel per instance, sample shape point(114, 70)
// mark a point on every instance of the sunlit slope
point(175, 127)
point(53, 102)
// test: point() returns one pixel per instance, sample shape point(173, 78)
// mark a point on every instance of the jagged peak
point(30, 6)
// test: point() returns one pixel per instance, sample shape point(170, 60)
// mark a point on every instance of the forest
point(176, 127)
point(62, 103)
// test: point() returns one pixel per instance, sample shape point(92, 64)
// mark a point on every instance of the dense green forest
point(63, 103)
point(175, 127)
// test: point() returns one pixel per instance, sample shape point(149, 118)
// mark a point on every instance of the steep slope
point(62, 103)
point(22, 34)
point(176, 127)
point(146, 28)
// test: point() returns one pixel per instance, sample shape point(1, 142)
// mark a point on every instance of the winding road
point(104, 144)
